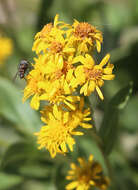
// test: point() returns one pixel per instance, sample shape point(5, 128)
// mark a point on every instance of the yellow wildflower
point(60, 127)
point(56, 94)
point(56, 68)
point(32, 88)
point(91, 76)
point(42, 89)
point(52, 40)
point(50, 81)
point(6, 48)
point(87, 175)
point(85, 36)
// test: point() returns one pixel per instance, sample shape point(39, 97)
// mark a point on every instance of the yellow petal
point(100, 82)
point(69, 75)
point(92, 182)
point(35, 102)
point(86, 125)
point(108, 77)
point(79, 59)
point(79, 73)
point(73, 166)
point(56, 112)
point(77, 133)
point(105, 60)
point(66, 88)
point(70, 141)
point(56, 20)
point(66, 117)
point(91, 86)
point(72, 185)
point(89, 61)
point(60, 62)
point(69, 50)
point(71, 106)
point(73, 98)
point(98, 46)
point(63, 147)
point(69, 177)
point(91, 158)
point(99, 92)
point(108, 69)
point(84, 89)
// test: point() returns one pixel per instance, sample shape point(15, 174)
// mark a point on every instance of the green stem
point(99, 141)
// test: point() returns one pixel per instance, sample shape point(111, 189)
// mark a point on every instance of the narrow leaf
point(109, 128)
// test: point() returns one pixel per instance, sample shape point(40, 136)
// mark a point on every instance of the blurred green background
point(22, 166)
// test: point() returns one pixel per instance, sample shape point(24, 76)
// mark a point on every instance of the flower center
point(63, 71)
point(94, 74)
point(83, 30)
point(85, 175)
point(56, 47)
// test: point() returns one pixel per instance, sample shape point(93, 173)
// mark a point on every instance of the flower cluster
point(88, 174)
point(60, 126)
point(6, 48)
point(63, 69)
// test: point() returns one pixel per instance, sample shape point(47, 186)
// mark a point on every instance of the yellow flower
point(57, 68)
point(52, 40)
point(50, 81)
point(56, 94)
point(32, 88)
point(91, 76)
point(6, 48)
point(87, 175)
point(85, 36)
point(61, 125)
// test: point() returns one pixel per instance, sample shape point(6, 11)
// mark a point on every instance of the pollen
point(56, 47)
point(94, 74)
point(63, 71)
point(83, 29)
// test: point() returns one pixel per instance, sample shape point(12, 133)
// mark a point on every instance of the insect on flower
point(22, 69)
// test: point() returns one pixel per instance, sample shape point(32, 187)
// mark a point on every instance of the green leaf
point(88, 146)
point(35, 170)
point(18, 153)
point(109, 128)
point(12, 108)
point(39, 185)
point(9, 181)
point(129, 116)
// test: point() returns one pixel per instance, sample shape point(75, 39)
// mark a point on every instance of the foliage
point(21, 164)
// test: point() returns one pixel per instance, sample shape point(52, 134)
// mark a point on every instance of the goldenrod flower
point(87, 175)
point(6, 48)
point(52, 40)
point(91, 76)
point(50, 81)
point(32, 88)
point(57, 68)
point(60, 127)
point(85, 37)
